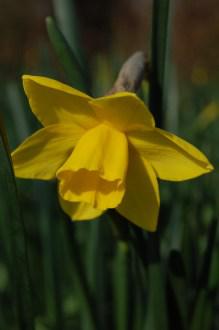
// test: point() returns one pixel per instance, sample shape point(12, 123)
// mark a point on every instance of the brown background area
point(122, 25)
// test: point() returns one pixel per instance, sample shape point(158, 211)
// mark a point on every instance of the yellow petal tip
point(26, 77)
point(210, 167)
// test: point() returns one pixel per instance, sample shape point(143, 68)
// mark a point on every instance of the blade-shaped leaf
point(12, 219)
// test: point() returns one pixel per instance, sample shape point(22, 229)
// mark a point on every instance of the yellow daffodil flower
point(105, 152)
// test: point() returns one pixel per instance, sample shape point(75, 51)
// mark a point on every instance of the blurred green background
point(127, 295)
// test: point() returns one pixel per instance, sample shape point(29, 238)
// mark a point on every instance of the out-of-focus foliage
point(90, 275)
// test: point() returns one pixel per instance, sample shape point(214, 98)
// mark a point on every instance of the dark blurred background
point(121, 26)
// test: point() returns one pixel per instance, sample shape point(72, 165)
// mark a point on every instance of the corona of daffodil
point(105, 152)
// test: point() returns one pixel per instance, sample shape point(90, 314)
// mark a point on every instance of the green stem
point(159, 44)
point(157, 311)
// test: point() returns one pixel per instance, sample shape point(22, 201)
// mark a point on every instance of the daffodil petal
point(96, 170)
point(88, 187)
point(141, 201)
point(79, 211)
point(53, 102)
point(40, 155)
point(123, 110)
point(172, 158)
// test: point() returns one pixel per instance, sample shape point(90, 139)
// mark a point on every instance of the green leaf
point(120, 284)
point(97, 269)
point(76, 73)
point(51, 239)
point(67, 19)
point(205, 297)
point(156, 318)
point(85, 296)
point(203, 312)
point(12, 220)
point(207, 260)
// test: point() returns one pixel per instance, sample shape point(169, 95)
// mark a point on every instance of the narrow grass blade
point(203, 312)
point(51, 236)
point(92, 262)
point(177, 288)
point(19, 115)
point(206, 267)
point(66, 17)
point(138, 292)
point(86, 299)
point(120, 284)
point(213, 281)
point(18, 251)
point(97, 270)
point(204, 301)
point(76, 73)
point(156, 304)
